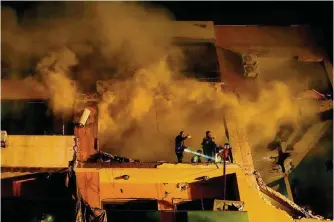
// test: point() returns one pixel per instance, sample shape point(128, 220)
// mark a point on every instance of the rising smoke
point(146, 103)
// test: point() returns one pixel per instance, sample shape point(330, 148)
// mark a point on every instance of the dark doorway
point(214, 189)
point(132, 210)
point(201, 204)
point(200, 61)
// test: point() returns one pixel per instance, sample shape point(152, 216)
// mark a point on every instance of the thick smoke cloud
point(53, 70)
point(146, 103)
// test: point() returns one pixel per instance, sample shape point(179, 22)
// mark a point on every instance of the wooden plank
point(288, 187)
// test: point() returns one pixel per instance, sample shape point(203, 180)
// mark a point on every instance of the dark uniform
point(209, 147)
point(179, 147)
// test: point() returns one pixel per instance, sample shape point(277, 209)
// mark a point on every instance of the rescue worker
point(179, 145)
point(197, 158)
point(219, 155)
point(209, 146)
point(228, 152)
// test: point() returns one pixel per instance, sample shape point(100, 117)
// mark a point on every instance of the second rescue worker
point(197, 157)
point(209, 146)
point(179, 145)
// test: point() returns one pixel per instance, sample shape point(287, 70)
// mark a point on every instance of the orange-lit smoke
point(144, 116)
point(139, 116)
point(54, 70)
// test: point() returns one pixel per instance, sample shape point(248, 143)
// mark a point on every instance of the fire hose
point(187, 150)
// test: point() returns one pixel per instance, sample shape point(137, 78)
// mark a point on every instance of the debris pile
point(83, 211)
point(103, 157)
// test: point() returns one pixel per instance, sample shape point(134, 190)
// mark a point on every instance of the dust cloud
point(147, 102)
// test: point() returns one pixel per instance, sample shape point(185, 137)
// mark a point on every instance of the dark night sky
point(317, 14)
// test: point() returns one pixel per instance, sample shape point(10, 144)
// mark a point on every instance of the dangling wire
point(227, 134)
point(156, 113)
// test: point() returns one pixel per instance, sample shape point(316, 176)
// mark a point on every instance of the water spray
point(199, 154)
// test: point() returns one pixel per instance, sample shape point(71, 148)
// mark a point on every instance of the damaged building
point(58, 164)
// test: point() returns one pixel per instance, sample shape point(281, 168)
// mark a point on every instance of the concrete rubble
point(264, 187)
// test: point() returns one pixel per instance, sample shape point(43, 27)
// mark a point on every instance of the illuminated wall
point(161, 184)
point(37, 151)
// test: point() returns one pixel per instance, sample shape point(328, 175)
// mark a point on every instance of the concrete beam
point(288, 187)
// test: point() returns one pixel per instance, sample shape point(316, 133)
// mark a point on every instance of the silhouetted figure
point(179, 146)
point(209, 146)
point(228, 152)
point(281, 158)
